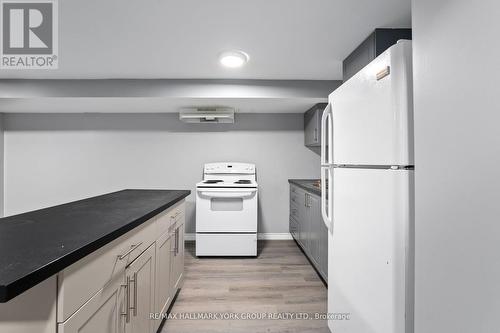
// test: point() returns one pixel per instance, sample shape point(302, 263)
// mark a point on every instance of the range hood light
point(217, 115)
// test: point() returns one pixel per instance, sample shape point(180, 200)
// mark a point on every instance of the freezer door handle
point(327, 191)
point(326, 136)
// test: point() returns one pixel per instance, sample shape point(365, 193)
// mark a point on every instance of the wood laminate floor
point(280, 280)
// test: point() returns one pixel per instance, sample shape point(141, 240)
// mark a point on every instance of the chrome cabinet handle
point(126, 314)
point(135, 294)
point(132, 248)
point(177, 213)
point(174, 250)
point(307, 200)
point(176, 247)
point(178, 239)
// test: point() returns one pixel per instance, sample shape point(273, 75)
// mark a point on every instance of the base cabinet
point(119, 288)
point(308, 229)
point(140, 281)
point(145, 287)
point(124, 305)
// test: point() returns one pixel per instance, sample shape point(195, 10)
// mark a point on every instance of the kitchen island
point(101, 264)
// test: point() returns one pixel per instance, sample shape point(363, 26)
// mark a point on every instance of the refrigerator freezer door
point(370, 253)
point(373, 112)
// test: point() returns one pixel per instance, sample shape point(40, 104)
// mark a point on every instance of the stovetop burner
point(212, 181)
point(243, 181)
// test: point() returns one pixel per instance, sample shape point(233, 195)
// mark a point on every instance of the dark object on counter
point(375, 44)
point(39, 244)
point(311, 185)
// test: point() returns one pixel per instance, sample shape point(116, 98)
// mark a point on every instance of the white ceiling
point(286, 39)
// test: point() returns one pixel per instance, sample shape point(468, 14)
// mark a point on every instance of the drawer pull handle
point(127, 300)
point(132, 248)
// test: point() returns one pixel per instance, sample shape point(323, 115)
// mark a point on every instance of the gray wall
point(457, 154)
point(55, 158)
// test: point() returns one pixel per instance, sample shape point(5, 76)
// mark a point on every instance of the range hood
point(215, 115)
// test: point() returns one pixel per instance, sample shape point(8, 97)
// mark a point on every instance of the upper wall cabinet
point(312, 125)
point(378, 41)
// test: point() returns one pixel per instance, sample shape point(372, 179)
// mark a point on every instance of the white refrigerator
point(367, 197)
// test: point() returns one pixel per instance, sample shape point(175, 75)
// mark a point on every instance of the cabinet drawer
point(226, 244)
point(80, 281)
point(296, 196)
point(167, 219)
point(100, 314)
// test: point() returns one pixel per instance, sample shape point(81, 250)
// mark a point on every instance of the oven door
point(226, 210)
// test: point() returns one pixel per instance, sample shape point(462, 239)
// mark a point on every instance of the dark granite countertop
point(306, 184)
point(39, 244)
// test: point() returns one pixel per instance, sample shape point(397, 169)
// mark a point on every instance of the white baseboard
point(275, 236)
point(263, 236)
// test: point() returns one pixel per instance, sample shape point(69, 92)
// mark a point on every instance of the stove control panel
point(229, 168)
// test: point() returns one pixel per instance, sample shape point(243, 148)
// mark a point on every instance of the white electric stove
point(226, 210)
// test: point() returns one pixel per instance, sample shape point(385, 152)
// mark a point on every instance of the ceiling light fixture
point(233, 59)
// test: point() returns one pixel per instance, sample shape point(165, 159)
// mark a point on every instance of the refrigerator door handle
point(326, 205)
point(326, 129)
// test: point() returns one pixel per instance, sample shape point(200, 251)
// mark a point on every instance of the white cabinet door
point(140, 276)
point(178, 258)
point(100, 314)
point(163, 272)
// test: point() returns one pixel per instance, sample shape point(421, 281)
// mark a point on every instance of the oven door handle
point(227, 194)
